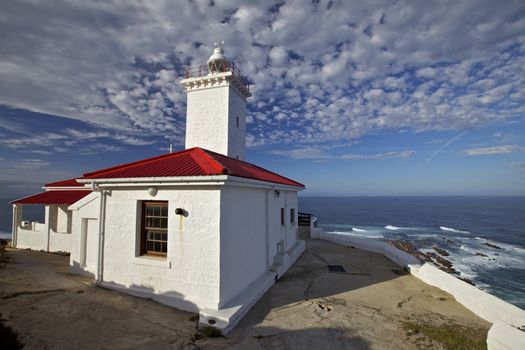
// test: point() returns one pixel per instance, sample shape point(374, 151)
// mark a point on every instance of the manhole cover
point(336, 268)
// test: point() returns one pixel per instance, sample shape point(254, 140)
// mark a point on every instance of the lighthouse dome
point(218, 62)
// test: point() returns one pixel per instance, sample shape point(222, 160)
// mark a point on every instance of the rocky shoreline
point(438, 257)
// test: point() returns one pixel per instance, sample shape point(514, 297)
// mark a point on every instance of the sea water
point(469, 228)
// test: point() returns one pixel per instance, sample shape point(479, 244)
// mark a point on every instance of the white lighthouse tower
point(216, 106)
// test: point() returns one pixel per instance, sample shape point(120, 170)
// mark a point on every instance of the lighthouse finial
point(219, 44)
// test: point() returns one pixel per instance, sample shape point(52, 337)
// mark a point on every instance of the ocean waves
point(449, 229)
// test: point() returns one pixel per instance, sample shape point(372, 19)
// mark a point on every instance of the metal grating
point(336, 268)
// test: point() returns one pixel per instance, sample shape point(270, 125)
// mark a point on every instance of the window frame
point(283, 219)
point(143, 250)
point(292, 216)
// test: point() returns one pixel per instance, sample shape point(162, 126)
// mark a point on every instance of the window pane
point(164, 247)
point(165, 210)
point(164, 223)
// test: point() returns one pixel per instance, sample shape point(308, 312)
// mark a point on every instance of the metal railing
point(304, 219)
point(204, 70)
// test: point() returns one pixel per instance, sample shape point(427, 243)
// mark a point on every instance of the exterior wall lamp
point(277, 193)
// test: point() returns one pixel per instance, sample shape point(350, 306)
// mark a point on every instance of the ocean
point(485, 236)
point(461, 225)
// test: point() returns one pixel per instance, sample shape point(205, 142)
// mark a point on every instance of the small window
point(237, 122)
point(282, 217)
point(292, 216)
point(154, 237)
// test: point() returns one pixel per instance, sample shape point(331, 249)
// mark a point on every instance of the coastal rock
point(442, 263)
point(409, 248)
point(441, 251)
point(491, 245)
point(481, 254)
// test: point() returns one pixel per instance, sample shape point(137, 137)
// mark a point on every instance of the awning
point(53, 197)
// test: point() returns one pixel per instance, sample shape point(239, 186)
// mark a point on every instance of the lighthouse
point(216, 106)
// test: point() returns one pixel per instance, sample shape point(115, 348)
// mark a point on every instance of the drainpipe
point(267, 226)
point(15, 226)
point(101, 228)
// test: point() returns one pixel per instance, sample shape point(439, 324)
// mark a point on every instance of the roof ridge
point(256, 166)
point(214, 163)
point(131, 164)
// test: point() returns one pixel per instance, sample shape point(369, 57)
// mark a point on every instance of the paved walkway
point(365, 307)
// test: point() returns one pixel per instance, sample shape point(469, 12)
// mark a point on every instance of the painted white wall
point(236, 134)
point(59, 242)
point(84, 235)
point(44, 236)
point(31, 239)
point(243, 239)
point(188, 278)
point(63, 222)
point(485, 305)
point(505, 337)
point(211, 118)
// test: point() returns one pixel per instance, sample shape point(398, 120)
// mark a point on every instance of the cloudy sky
point(382, 97)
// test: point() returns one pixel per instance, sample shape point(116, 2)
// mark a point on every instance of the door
point(89, 249)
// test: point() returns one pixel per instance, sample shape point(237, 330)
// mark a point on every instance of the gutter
point(212, 180)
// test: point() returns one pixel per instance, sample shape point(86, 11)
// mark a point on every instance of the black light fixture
point(179, 211)
point(277, 193)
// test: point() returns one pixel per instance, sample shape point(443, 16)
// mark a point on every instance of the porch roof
point(53, 197)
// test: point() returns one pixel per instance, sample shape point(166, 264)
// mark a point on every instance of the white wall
point(237, 135)
point(207, 119)
point(243, 239)
point(63, 221)
point(36, 240)
point(211, 115)
point(59, 242)
point(189, 276)
point(84, 235)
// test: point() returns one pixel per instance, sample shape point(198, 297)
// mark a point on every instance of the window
point(282, 217)
point(237, 122)
point(292, 216)
point(154, 235)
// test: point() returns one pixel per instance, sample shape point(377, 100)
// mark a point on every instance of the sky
point(349, 97)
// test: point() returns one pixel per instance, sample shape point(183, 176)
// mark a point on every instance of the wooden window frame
point(144, 231)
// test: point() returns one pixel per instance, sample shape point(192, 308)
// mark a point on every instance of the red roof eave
point(53, 197)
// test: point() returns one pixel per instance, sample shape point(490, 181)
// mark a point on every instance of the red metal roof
point(53, 197)
point(65, 183)
point(191, 162)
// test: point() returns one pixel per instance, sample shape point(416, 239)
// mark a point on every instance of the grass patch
point(451, 336)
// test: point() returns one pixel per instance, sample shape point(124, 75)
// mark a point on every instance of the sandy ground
point(309, 308)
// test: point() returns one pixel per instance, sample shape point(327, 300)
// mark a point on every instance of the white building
point(200, 229)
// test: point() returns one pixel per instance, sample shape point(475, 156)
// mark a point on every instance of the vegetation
point(451, 336)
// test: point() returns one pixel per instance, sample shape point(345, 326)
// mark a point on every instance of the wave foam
point(358, 229)
point(450, 229)
point(364, 234)
point(396, 228)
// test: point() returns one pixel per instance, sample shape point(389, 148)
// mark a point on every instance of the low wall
point(373, 245)
point(505, 317)
point(505, 337)
point(32, 239)
point(60, 242)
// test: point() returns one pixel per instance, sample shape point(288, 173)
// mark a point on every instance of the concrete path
point(365, 307)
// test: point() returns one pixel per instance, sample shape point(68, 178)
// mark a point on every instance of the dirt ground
point(366, 307)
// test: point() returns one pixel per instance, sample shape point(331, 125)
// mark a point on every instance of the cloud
point(493, 150)
point(323, 154)
point(518, 165)
point(442, 148)
point(379, 156)
point(325, 71)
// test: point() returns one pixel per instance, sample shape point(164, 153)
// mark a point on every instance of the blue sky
point(350, 98)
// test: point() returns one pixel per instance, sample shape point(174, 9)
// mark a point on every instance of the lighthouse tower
point(216, 106)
